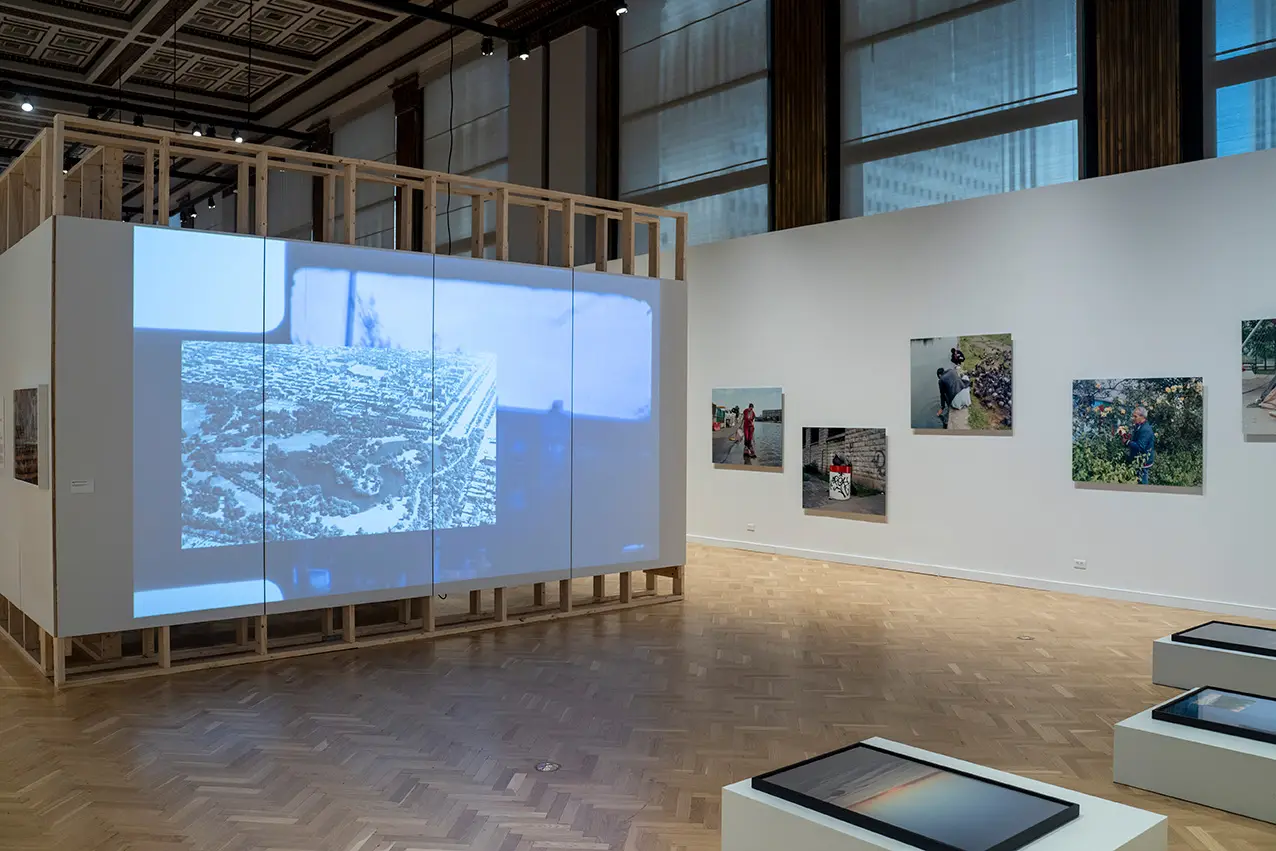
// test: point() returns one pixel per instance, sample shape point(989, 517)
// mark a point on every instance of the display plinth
point(755, 821)
point(1215, 769)
point(1179, 665)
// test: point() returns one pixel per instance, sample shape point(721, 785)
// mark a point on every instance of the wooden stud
point(325, 622)
point(476, 602)
point(352, 204)
point(403, 239)
point(46, 653)
point(74, 189)
point(46, 177)
point(569, 232)
point(680, 248)
point(348, 634)
point(542, 235)
point(263, 636)
point(112, 184)
point(110, 645)
point(651, 580)
point(502, 224)
point(164, 205)
point(627, 241)
point(58, 143)
point(427, 614)
point(62, 649)
point(538, 594)
point(30, 197)
point(329, 207)
point(679, 572)
point(148, 643)
point(626, 586)
point(14, 204)
point(600, 586)
point(600, 242)
point(261, 201)
point(242, 197)
point(430, 227)
point(653, 249)
point(405, 611)
point(148, 186)
point(477, 228)
point(165, 649)
point(499, 606)
point(564, 595)
point(241, 632)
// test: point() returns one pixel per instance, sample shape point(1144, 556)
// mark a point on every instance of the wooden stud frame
point(33, 187)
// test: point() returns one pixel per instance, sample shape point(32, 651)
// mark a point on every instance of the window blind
point(953, 99)
point(693, 124)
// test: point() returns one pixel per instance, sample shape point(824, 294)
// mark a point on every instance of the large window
point(1242, 76)
point(693, 126)
point(467, 122)
point(952, 99)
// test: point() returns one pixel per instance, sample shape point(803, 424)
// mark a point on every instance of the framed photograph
point(1233, 713)
point(910, 800)
point(844, 473)
point(1258, 377)
point(1136, 432)
point(27, 448)
point(748, 428)
point(962, 384)
point(1230, 636)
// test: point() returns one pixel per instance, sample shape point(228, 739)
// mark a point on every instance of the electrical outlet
point(750, 528)
point(1078, 564)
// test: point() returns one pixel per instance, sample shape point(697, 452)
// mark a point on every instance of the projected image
point(917, 801)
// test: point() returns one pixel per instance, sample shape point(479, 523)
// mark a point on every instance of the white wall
point(1147, 274)
point(26, 357)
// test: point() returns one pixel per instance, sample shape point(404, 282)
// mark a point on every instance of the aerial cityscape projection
point(351, 438)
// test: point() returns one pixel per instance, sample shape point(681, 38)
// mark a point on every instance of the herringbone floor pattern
point(650, 712)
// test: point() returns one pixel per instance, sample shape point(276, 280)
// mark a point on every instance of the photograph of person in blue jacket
point(1140, 443)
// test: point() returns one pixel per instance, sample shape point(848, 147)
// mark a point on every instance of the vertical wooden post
point(30, 196)
point(74, 192)
point(651, 580)
point(329, 226)
point(564, 595)
point(46, 653)
point(148, 186)
point(600, 242)
point(430, 212)
point(62, 649)
point(263, 636)
point(542, 235)
point(499, 605)
point(261, 203)
point(164, 204)
point(427, 614)
point(148, 642)
point(348, 633)
point(538, 594)
point(678, 576)
point(403, 236)
point(405, 606)
point(600, 587)
point(91, 185)
point(112, 184)
point(242, 197)
point(325, 622)
point(626, 586)
point(653, 249)
point(680, 248)
point(352, 204)
point(241, 632)
point(627, 241)
point(478, 231)
point(46, 176)
point(58, 143)
point(502, 223)
point(569, 232)
point(14, 195)
point(476, 602)
point(165, 648)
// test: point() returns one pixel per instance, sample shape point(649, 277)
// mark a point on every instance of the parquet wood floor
point(433, 745)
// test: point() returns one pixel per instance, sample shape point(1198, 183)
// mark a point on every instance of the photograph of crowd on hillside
point(844, 472)
point(1258, 376)
point(962, 383)
point(748, 428)
point(1139, 431)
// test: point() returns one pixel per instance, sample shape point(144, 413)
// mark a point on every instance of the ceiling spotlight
point(94, 113)
point(212, 202)
point(210, 132)
point(621, 7)
point(138, 119)
point(197, 133)
point(523, 52)
point(487, 46)
point(26, 105)
point(239, 137)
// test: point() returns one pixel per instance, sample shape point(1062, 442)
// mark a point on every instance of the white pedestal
point(756, 821)
point(1225, 772)
point(1187, 666)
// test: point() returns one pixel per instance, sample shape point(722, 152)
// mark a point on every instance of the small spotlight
point(239, 137)
point(212, 202)
point(138, 120)
point(488, 47)
point(622, 7)
point(210, 132)
point(27, 105)
point(197, 133)
point(523, 52)
point(94, 113)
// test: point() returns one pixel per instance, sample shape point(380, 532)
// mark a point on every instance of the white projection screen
point(317, 424)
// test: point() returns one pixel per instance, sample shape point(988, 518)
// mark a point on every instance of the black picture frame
point(1181, 637)
point(1070, 809)
point(1162, 713)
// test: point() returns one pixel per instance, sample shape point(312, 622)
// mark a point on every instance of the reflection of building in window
point(1243, 74)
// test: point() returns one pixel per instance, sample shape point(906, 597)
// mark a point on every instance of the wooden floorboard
point(649, 712)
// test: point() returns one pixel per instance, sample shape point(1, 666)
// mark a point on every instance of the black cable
point(451, 111)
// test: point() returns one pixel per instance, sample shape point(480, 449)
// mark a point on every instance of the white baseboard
point(1210, 606)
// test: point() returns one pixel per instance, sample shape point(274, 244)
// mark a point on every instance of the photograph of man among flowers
point(1139, 431)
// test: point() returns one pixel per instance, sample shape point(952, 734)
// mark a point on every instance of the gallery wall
point(1146, 274)
point(26, 510)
